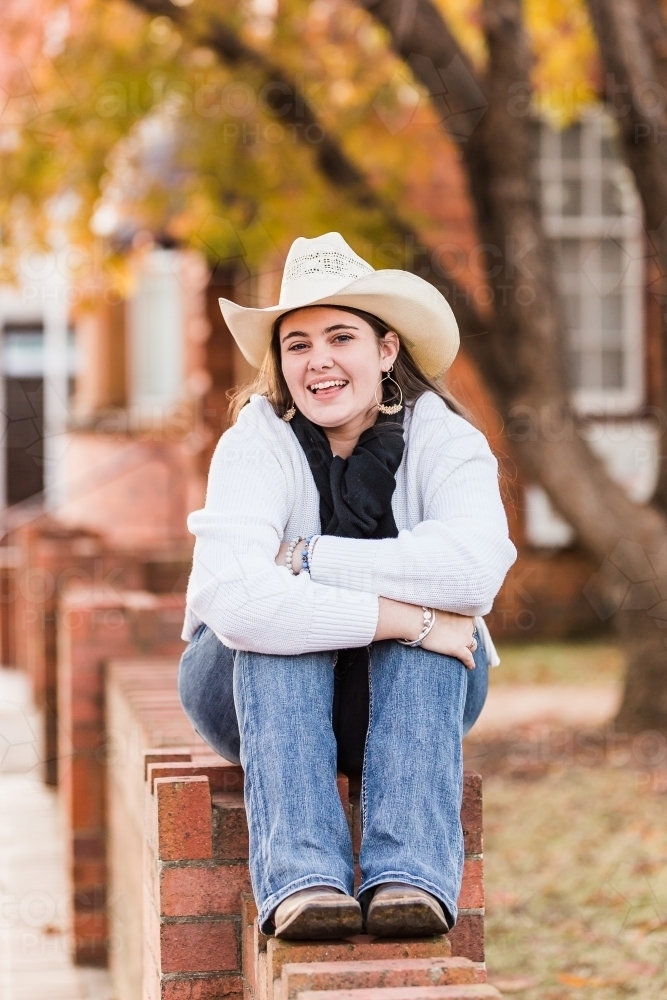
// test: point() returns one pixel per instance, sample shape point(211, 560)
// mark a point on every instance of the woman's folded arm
point(455, 559)
point(235, 586)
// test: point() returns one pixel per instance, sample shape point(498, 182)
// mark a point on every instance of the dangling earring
point(382, 407)
point(289, 414)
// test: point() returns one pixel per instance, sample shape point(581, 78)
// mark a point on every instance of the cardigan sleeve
point(457, 557)
point(235, 586)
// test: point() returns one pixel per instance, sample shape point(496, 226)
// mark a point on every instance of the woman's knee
point(205, 674)
point(478, 686)
point(205, 687)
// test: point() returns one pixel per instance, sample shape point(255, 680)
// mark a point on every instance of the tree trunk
point(521, 358)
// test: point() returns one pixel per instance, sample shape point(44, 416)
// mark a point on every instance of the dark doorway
point(24, 400)
point(24, 411)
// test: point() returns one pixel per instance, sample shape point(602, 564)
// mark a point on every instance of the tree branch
point(331, 159)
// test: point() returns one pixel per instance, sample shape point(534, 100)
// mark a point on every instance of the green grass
point(558, 663)
point(576, 879)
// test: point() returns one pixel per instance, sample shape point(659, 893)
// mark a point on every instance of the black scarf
point(355, 502)
point(355, 492)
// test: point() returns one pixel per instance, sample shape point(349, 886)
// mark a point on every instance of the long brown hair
point(270, 381)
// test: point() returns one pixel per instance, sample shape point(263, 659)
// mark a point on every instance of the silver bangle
point(311, 548)
point(429, 622)
point(290, 552)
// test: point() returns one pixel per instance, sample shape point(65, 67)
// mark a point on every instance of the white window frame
point(626, 230)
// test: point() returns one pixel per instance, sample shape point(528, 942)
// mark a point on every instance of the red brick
point(471, 813)
point(90, 937)
point(355, 822)
point(358, 949)
point(343, 786)
point(467, 937)
point(211, 987)
point(230, 826)
point(367, 975)
point(467, 991)
point(205, 946)
point(164, 755)
point(183, 818)
point(223, 777)
point(253, 943)
point(196, 891)
point(471, 896)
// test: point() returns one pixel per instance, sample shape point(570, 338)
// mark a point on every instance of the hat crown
point(319, 267)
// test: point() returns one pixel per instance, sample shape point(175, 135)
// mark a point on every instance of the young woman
point(352, 538)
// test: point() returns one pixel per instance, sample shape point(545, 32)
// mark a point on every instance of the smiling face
point(333, 361)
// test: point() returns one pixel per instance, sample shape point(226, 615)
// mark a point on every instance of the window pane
point(612, 320)
point(571, 197)
point(591, 369)
point(612, 258)
point(571, 143)
point(612, 369)
point(584, 192)
point(612, 202)
point(568, 254)
point(609, 148)
point(550, 194)
point(574, 369)
point(572, 307)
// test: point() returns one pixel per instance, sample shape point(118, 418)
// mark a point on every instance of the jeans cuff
point(264, 917)
point(451, 909)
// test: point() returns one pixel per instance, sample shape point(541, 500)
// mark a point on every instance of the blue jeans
point(274, 715)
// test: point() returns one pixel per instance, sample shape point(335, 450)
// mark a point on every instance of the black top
point(355, 492)
point(355, 502)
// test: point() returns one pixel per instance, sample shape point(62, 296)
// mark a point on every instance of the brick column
point(195, 874)
point(93, 628)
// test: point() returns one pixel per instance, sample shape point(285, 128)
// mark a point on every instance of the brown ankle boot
point(401, 910)
point(319, 913)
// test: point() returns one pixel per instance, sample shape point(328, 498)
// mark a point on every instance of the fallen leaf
point(569, 980)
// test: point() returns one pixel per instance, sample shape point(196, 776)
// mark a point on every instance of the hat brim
point(417, 311)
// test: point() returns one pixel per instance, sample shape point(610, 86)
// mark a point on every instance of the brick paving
point(35, 944)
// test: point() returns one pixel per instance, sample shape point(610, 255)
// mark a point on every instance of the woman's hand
point(296, 555)
point(451, 635)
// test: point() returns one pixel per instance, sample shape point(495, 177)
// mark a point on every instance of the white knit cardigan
point(452, 551)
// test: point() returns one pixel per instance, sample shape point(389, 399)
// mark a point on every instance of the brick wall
point(195, 871)
point(49, 558)
point(93, 628)
point(142, 710)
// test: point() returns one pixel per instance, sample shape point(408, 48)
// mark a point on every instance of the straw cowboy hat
point(326, 271)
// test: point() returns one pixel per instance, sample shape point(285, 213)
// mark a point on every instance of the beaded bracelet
point(307, 553)
point(290, 552)
point(429, 622)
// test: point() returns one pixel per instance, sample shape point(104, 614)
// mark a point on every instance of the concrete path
point(570, 705)
point(35, 961)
